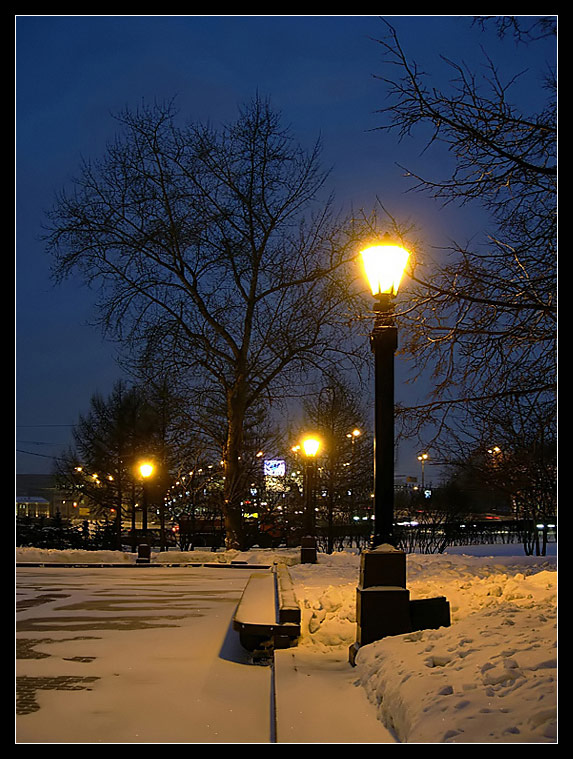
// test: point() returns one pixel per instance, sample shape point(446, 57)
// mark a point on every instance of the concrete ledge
point(268, 615)
point(288, 608)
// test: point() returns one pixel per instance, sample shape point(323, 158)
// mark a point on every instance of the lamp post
point(422, 458)
point(384, 266)
point(352, 436)
point(310, 446)
point(382, 602)
point(146, 469)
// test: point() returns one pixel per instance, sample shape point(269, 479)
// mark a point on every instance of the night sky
point(73, 72)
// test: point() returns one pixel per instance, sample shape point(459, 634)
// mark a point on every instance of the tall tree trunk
point(118, 525)
point(233, 468)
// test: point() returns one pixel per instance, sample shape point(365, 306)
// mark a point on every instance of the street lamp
point(384, 266)
point(352, 436)
point(422, 458)
point(382, 602)
point(146, 469)
point(310, 446)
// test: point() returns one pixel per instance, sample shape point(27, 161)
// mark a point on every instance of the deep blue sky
point(72, 72)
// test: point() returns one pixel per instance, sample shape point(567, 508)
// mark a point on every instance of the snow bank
point(258, 556)
point(73, 555)
point(490, 677)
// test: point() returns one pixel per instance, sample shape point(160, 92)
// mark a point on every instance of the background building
point(37, 496)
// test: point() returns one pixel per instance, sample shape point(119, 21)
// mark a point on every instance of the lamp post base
point(382, 599)
point(143, 554)
point(382, 611)
point(383, 605)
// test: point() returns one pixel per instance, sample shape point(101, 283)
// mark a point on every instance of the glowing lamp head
point(146, 470)
point(384, 266)
point(310, 446)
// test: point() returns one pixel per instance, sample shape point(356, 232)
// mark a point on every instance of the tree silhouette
point(100, 467)
point(219, 263)
point(480, 317)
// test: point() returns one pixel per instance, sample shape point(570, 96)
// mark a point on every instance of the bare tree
point(335, 413)
point(518, 463)
point(217, 261)
point(481, 316)
point(100, 467)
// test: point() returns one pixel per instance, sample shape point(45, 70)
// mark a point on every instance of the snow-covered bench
point(268, 614)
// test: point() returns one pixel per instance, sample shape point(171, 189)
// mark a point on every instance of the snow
point(491, 677)
point(132, 655)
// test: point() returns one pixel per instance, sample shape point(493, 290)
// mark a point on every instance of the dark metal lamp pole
point(383, 341)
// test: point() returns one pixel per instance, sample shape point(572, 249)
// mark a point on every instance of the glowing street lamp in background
point(310, 446)
point(146, 470)
point(422, 458)
point(353, 437)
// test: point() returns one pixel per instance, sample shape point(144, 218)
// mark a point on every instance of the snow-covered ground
point(491, 677)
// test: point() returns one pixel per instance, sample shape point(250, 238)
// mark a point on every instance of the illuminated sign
point(274, 468)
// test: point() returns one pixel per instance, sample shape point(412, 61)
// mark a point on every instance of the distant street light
point(353, 436)
point(146, 470)
point(422, 458)
point(310, 446)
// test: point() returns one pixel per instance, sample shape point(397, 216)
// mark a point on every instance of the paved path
point(317, 700)
point(136, 655)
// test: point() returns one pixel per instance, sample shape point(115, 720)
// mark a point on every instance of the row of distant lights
point(312, 449)
point(355, 433)
point(95, 477)
point(146, 469)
